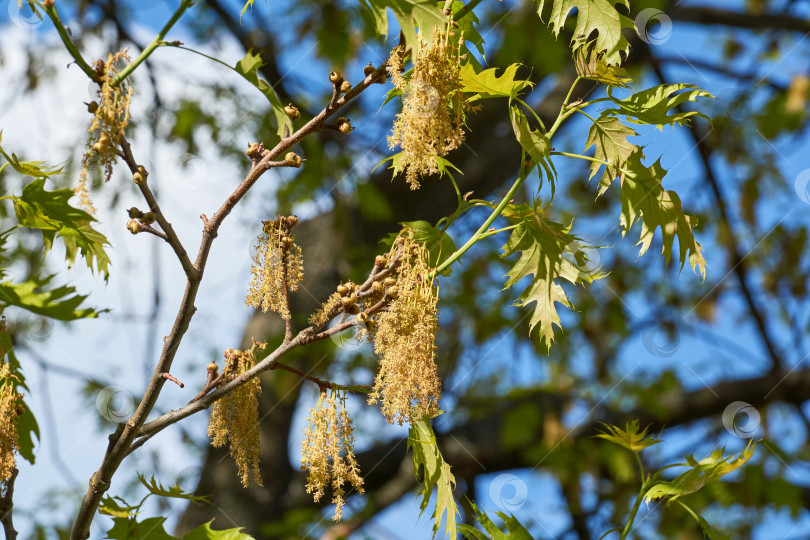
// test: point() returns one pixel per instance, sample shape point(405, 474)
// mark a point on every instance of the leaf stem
point(460, 14)
point(639, 498)
point(157, 42)
point(588, 158)
point(479, 234)
point(50, 10)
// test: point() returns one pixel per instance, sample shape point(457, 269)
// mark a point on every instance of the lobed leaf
point(175, 492)
point(599, 16)
point(50, 212)
point(435, 472)
point(701, 473)
point(514, 528)
point(652, 106)
point(411, 14)
point(629, 437)
point(486, 84)
point(535, 143)
point(542, 244)
point(248, 67)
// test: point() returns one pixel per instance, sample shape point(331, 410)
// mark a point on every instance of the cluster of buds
point(344, 126)
point(277, 267)
point(234, 417)
point(256, 151)
point(292, 111)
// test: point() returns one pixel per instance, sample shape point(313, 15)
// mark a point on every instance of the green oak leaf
point(544, 247)
point(652, 106)
point(117, 507)
point(593, 16)
point(514, 528)
point(205, 532)
point(50, 212)
point(487, 84)
point(411, 14)
point(175, 492)
point(701, 473)
point(435, 472)
point(248, 67)
point(644, 199)
point(535, 143)
point(128, 528)
point(609, 136)
point(629, 437)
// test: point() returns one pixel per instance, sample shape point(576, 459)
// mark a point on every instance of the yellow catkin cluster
point(234, 418)
point(432, 118)
point(110, 118)
point(322, 316)
point(407, 384)
point(277, 267)
point(10, 409)
point(328, 450)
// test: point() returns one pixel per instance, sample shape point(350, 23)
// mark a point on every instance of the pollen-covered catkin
point(407, 384)
point(10, 406)
point(431, 123)
point(328, 450)
point(235, 417)
point(110, 118)
point(278, 267)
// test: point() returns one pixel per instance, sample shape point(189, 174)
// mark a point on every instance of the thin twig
point(170, 377)
point(7, 506)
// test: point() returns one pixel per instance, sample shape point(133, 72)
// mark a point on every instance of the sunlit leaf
point(629, 437)
point(435, 472)
point(248, 67)
point(514, 528)
point(653, 106)
point(487, 84)
point(155, 488)
point(599, 16)
point(542, 244)
point(117, 507)
point(536, 144)
point(50, 212)
point(411, 14)
point(701, 473)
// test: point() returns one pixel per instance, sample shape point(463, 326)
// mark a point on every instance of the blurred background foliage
point(647, 342)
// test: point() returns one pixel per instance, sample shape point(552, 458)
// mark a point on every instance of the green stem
point(466, 9)
point(50, 10)
point(588, 158)
point(639, 498)
point(531, 111)
point(217, 60)
point(184, 5)
point(570, 91)
point(480, 233)
point(498, 231)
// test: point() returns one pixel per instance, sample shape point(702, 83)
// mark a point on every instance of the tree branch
point(7, 506)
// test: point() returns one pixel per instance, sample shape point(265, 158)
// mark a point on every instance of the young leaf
point(27, 168)
point(155, 488)
point(60, 303)
point(535, 143)
point(50, 212)
point(629, 437)
point(593, 15)
point(645, 199)
point(542, 243)
point(205, 532)
point(515, 529)
point(701, 473)
point(435, 472)
point(652, 106)
point(487, 84)
point(248, 67)
point(410, 14)
point(111, 507)
point(591, 65)
point(609, 136)
point(131, 529)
